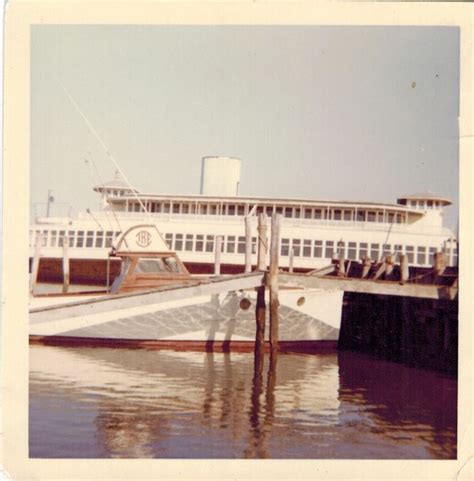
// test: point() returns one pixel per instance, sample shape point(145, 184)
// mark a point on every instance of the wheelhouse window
point(341, 248)
point(398, 250)
point(54, 238)
point(371, 216)
point(169, 240)
point(209, 243)
point(296, 246)
point(203, 209)
point(241, 210)
point(176, 208)
point(231, 209)
point(99, 239)
point(185, 209)
point(213, 209)
point(432, 251)
point(241, 245)
point(361, 215)
point(318, 214)
point(80, 239)
point(297, 212)
point(347, 215)
point(409, 251)
point(308, 213)
point(374, 252)
point(387, 249)
point(337, 214)
point(89, 239)
point(285, 247)
point(363, 250)
point(166, 207)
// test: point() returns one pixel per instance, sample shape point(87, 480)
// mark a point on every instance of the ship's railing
point(286, 222)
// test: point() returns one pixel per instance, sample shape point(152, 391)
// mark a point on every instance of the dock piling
point(260, 310)
point(217, 255)
point(291, 259)
point(366, 266)
point(404, 270)
point(273, 281)
point(248, 244)
point(65, 264)
point(36, 261)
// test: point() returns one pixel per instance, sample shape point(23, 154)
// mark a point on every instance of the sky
point(318, 112)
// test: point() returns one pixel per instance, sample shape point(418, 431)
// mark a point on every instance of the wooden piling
point(65, 264)
point(217, 255)
point(273, 281)
point(389, 266)
point(291, 260)
point(366, 263)
point(382, 268)
point(439, 263)
point(260, 310)
point(341, 271)
point(404, 270)
point(36, 261)
point(248, 244)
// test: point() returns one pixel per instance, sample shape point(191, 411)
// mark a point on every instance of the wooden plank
point(36, 261)
point(262, 242)
point(273, 281)
point(161, 294)
point(322, 272)
point(425, 291)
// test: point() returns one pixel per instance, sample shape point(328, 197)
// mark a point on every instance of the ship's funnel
point(220, 176)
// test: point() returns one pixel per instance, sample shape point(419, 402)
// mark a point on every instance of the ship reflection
point(165, 404)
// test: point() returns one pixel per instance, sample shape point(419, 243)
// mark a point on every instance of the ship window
point(409, 251)
point(387, 249)
point(166, 207)
point(136, 207)
point(432, 253)
point(347, 215)
point(279, 210)
point(285, 247)
point(199, 243)
point(297, 212)
point(231, 244)
point(209, 243)
point(341, 248)
point(430, 204)
point(178, 243)
point(231, 209)
point(269, 210)
point(308, 213)
point(260, 209)
point(421, 255)
point(337, 214)
point(241, 245)
point(176, 208)
point(399, 218)
point(296, 247)
point(169, 240)
point(241, 209)
point(361, 215)
point(318, 248)
point(363, 246)
point(307, 248)
point(398, 250)
point(371, 216)
point(413, 203)
point(99, 239)
point(352, 251)
point(380, 216)
point(109, 237)
point(185, 209)
point(80, 238)
point(318, 214)
point(89, 238)
point(374, 252)
point(172, 264)
point(203, 209)
point(213, 209)
point(54, 238)
point(150, 266)
point(188, 246)
point(329, 250)
point(391, 216)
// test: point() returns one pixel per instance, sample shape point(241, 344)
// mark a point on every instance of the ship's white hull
point(216, 321)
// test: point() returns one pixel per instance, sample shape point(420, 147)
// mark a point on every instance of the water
point(123, 403)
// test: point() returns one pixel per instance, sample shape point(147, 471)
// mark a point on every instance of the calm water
point(101, 403)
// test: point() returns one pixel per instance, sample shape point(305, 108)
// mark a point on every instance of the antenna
point(102, 143)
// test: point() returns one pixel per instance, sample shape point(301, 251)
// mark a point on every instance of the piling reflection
point(94, 402)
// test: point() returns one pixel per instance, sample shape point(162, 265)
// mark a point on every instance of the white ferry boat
point(313, 231)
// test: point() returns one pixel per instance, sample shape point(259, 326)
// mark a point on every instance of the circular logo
point(143, 238)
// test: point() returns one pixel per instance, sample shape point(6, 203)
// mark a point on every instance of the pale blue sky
point(343, 113)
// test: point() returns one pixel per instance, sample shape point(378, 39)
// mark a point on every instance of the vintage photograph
point(244, 242)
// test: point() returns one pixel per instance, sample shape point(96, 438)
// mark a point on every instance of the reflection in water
point(102, 402)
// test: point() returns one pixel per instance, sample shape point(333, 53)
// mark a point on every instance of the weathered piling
point(65, 264)
point(366, 266)
point(248, 244)
point(341, 271)
point(273, 282)
point(36, 261)
point(217, 255)
point(291, 259)
point(260, 310)
point(389, 266)
point(404, 269)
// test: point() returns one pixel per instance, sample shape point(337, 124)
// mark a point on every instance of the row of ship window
point(359, 215)
point(328, 249)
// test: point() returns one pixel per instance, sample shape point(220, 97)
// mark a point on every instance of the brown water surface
point(124, 403)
